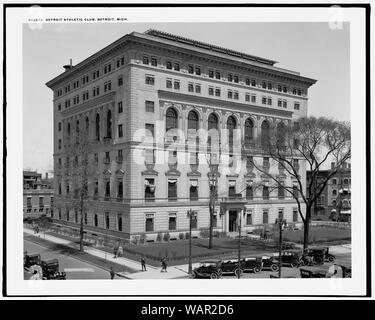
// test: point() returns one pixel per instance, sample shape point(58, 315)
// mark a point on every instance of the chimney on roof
point(68, 66)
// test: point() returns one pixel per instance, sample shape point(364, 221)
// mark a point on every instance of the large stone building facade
point(160, 82)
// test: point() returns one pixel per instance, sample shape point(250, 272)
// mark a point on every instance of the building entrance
point(232, 221)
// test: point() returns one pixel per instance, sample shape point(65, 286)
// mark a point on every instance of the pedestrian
point(143, 262)
point(115, 252)
point(120, 251)
point(112, 272)
point(164, 264)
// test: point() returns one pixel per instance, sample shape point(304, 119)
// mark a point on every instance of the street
point(75, 269)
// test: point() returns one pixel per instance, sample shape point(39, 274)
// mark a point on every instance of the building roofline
point(169, 39)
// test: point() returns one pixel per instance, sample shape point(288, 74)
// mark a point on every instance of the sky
point(313, 49)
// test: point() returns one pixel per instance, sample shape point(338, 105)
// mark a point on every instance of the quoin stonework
point(141, 102)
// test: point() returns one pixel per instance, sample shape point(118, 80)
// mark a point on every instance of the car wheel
point(294, 264)
point(274, 267)
point(213, 276)
point(236, 272)
point(331, 259)
point(257, 269)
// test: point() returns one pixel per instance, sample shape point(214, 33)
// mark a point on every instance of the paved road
point(75, 269)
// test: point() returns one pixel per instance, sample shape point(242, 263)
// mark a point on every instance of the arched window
point(265, 133)
point(231, 125)
point(193, 120)
point(97, 127)
point(109, 124)
point(213, 122)
point(280, 132)
point(249, 126)
point(171, 119)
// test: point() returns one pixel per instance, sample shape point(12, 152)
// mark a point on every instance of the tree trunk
point(306, 228)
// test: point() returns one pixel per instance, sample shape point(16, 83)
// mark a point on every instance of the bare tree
point(80, 168)
point(312, 140)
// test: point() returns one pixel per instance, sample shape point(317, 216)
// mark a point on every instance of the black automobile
point(230, 266)
point(30, 260)
point(319, 255)
point(292, 258)
point(253, 264)
point(270, 263)
point(51, 270)
point(208, 269)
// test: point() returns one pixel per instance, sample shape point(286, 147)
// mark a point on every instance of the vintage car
point(230, 266)
point(318, 255)
point(292, 258)
point(30, 260)
point(270, 263)
point(253, 264)
point(208, 269)
point(51, 270)
point(312, 273)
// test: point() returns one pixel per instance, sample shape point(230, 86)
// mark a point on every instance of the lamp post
point(281, 223)
point(190, 215)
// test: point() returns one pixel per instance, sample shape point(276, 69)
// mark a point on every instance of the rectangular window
point(249, 218)
point(265, 216)
point(120, 81)
point(197, 88)
point(235, 95)
point(249, 192)
point(194, 221)
point(119, 222)
point(193, 190)
point(107, 220)
point(150, 80)
point(295, 215)
point(217, 75)
point(210, 73)
point(169, 65)
point(247, 97)
point(296, 106)
point(154, 62)
point(176, 85)
point(299, 92)
point(285, 89)
point(264, 85)
point(28, 203)
point(150, 106)
point(191, 69)
point(281, 214)
point(280, 192)
point(235, 78)
point(269, 86)
point(230, 77)
point(230, 94)
point(253, 98)
point(59, 126)
point(210, 91)
point(172, 189)
point(145, 60)
point(264, 100)
point(172, 225)
point(247, 81)
point(119, 105)
point(149, 129)
point(284, 104)
point(266, 193)
point(269, 101)
point(253, 83)
point(149, 189)
point(198, 71)
point(120, 133)
point(232, 189)
point(176, 67)
point(120, 191)
point(190, 87)
point(279, 103)
point(217, 92)
point(149, 223)
point(168, 83)
point(59, 107)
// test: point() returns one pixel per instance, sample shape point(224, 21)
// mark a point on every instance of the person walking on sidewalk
point(120, 251)
point(164, 264)
point(112, 273)
point(143, 263)
point(115, 252)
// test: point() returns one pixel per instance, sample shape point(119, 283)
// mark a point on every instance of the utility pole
point(281, 223)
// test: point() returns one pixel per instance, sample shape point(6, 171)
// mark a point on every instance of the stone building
point(165, 83)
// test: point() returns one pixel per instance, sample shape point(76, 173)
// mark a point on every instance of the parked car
point(292, 258)
point(230, 266)
point(253, 264)
point(208, 269)
point(270, 263)
point(312, 273)
point(51, 270)
point(30, 260)
point(319, 255)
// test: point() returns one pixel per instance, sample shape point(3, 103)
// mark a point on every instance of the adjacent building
point(37, 194)
point(171, 87)
point(335, 201)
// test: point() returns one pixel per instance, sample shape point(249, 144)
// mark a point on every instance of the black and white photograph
point(208, 154)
